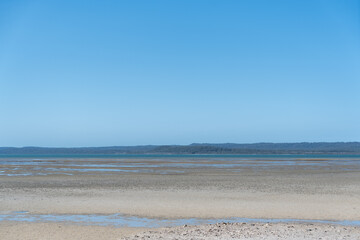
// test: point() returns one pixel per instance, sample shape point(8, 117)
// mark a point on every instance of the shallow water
point(169, 164)
point(119, 220)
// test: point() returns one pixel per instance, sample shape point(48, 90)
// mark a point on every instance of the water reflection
point(171, 165)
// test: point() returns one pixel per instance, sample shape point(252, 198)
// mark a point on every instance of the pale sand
point(57, 231)
point(186, 204)
point(275, 193)
point(331, 196)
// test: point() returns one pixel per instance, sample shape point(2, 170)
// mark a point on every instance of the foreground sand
point(240, 231)
point(253, 231)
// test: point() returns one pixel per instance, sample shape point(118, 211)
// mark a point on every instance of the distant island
point(201, 148)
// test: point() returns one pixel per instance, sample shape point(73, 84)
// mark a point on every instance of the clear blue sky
point(97, 73)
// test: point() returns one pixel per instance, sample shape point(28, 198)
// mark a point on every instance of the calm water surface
point(37, 165)
point(119, 220)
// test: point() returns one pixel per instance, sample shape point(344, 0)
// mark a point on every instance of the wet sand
point(280, 191)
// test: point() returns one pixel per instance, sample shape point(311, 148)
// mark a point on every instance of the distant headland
point(200, 148)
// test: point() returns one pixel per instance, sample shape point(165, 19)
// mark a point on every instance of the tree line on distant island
point(201, 148)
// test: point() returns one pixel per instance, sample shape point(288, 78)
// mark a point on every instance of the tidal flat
point(168, 188)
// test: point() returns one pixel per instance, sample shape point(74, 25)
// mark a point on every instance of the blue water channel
point(119, 220)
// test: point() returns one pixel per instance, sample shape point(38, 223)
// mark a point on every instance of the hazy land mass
point(201, 148)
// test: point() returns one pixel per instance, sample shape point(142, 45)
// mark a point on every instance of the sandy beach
point(254, 192)
point(254, 231)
